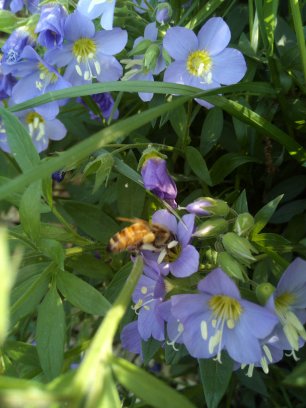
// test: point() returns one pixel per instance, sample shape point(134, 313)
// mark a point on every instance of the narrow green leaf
point(53, 250)
point(82, 295)
point(269, 21)
point(30, 211)
point(215, 378)
point(179, 122)
point(109, 397)
point(211, 130)
point(264, 214)
point(287, 211)
point(241, 204)
point(149, 349)
point(50, 334)
point(228, 163)
point(198, 164)
point(272, 242)
point(19, 140)
point(151, 390)
point(207, 10)
point(8, 21)
point(127, 171)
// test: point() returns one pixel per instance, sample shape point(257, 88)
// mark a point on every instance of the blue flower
point(15, 44)
point(163, 13)
point(40, 129)
point(51, 25)
point(87, 54)
point(203, 61)
point(289, 303)
point(105, 103)
point(36, 77)
point(130, 338)
point(179, 257)
point(156, 179)
point(17, 5)
point(218, 318)
point(7, 83)
point(96, 8)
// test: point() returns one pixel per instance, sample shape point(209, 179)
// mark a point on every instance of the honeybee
point(140, 235)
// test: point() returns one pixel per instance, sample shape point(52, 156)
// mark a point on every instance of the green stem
point(298, 26)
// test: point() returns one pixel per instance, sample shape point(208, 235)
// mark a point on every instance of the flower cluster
point(205, 311)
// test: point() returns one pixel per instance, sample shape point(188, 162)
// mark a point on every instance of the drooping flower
point(40, 129)
point(289, 303)
point(96, 8)
point(87, 54)
point(51, 25)
point(105, 103)
point(218, 318)
point(203, 61)
point(163, 13)
point(36, 77)
point(143, 67)
point(156, 179)
point(15, 44)
point(17, 5)
point(178, 257)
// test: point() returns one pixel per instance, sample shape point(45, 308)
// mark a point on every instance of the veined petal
point(49, 110)
point(111, 42)
point(185, 229)
point(179, 42)
point(60, 56)
point(177, 73)
point(150, 323)
point(107, 17)
point(214, 36)
point(229, 66)
point(187, 262)
point(195, 340)
point(144, 96)
point(89, 10)
point(294, 277)
point(165, 218)
point(78, 26)
point(218, 282)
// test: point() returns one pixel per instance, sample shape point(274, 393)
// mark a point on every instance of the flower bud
point(232, 267)
point(58, 176)
point(211, 228)
point(243, 224)
point(206, 206)
point(150, 57)
point(264, 291)
point(163, 13)
point(240, 248)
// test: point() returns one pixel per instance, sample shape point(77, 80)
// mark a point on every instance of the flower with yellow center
point(218, 318)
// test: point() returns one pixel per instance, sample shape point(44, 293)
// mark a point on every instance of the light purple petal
point(165, 218)
point(185, 229)
point(49, 110)
point(184, 306)
point(179, 42)
point(111, 70)
point(107, 17)
point(187, 263)
point(150, 323)
point(144, 289)
point(293, 277)
point(214, 36)
point(55, 130)
point(78, 26)
point(150, 32)
point(60, 56)
point(130, 338)
point(177, 73)
point(144, 96)
point(218, 282)
point(192, 337)
point(229, 67)
point(241, 345)
point(85, 7)
point(111, 42)
point(25, 89)
point(258, 320)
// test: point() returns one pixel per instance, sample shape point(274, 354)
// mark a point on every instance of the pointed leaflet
point(198, 164)
point(30, 210)
point(264, 214)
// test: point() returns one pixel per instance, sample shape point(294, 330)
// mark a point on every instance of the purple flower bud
point(156, 179)
point(207, 206)
point(58, 176)
point(163, 13)
point(51, 25)
point(15, 44)
point(199, 207)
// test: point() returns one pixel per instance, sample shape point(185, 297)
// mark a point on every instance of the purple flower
point(207, 206)
point(163, 13)
point(130, 338)
point(105, 103)
point(175, 328)
point(93, 9)
point(145, 66)
point(7, 83)
point(36, 77)
point(218, 318)
point(51, 25)
point(87, 54)
point(289, 302)
point(156, 179)
point(199, 207)
point(31, 5)
point(203, 61)
point(40, 129)
point(179, 257)
point(15, 44)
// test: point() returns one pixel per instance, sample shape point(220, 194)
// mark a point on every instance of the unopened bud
point(150, 57)
point(207, 206)
point(243, 224)
point(232, 267)
point(211, 228)
point(163, 13)
point(264, 291)
point(240, 248)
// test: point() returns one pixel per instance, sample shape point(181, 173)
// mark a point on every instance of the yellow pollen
point(283, 301)
point(199, 63)
point(83, 49)
point(45, 74)
point(34, 117)
point(225, 308)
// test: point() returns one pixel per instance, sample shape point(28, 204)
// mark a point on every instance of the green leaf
point(30, 211)
point(151, 390)
point(101, 166)
point(255, 383)
point(50, 334)
point(297, 378)
point(264, 214)
point(120, 277)
point(127, 171)
point(179, 122)
point(211, 130)
point(149, 349)
point(53, 250)
point(20, 142)
point(272, 242)
point(31, 294)
point(241, 204)
point(198, 164)
point(286, 212)
point(82, 295)
point(215, 378)
point(109, 396)
point(228, 163)
point(8, 21)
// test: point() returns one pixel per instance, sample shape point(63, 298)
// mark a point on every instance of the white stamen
point(98, 67)
point(78, 70)
point(144, 290)
point(267, 353)
point(264, 365)
point(39, 85)
point(172, 244)
point(204, 331)
point(250, 370)
point(86, 75)
point(36, 122)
